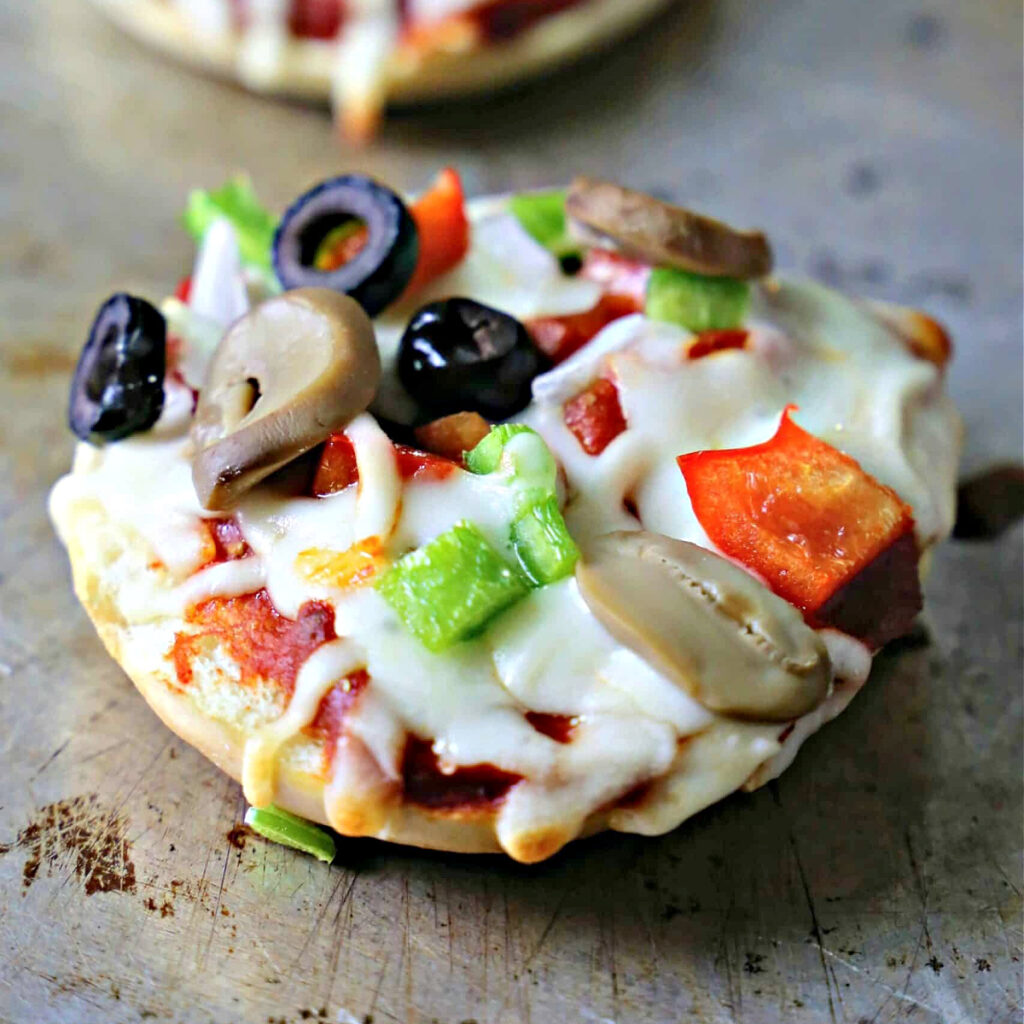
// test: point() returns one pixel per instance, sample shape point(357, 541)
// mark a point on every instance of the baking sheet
point(878, 880)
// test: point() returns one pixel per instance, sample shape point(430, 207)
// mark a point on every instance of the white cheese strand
point(569, 378)
point(223, 579)
point(263, 43)
point(380, 486)
point(328, 664)
point(360, 77)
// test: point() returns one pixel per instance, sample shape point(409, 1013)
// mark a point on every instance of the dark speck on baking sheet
point(925, 31)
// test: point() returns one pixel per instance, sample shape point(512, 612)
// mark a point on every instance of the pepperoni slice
point(266, 645)
point(473, 787)
point(329, 719)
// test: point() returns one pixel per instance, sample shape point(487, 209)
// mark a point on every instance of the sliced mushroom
point(645, 228)
point(294, 369)
point(728, 641)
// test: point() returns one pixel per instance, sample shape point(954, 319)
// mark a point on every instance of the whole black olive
point(461, 356)
point(376, 269)
point(118, 386)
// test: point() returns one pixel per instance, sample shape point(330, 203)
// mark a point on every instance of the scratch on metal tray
point(239, 811)
point(53, 757)
point(923, 934)
point(524, 967)
point(894, 993)
point(340, 942)
point(594, 1018)
point(377, 987)
point(809, 899)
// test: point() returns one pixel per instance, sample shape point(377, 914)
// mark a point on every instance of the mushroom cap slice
point(713, 629)
point(286, 375)
point(648, 229)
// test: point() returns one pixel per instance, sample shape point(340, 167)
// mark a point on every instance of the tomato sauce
point(329, 719)
point(708, 342)
point(265, 644)
point(557, 727)
point(500, 20)
point(473, 787)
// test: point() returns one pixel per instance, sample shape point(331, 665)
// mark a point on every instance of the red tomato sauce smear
point(503, 19)
point(473, 787)
point(556, 727)
point(265, 644)
point(329, 719)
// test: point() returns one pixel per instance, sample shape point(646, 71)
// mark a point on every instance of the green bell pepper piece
point(236, 201)
point(448, 590)
point(694, 301)
point(542, 216)
point(543, 545)
point(280, 826)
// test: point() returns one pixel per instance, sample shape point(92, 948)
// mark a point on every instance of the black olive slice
point(459, 355)
point(118, 386)
point(378, 271)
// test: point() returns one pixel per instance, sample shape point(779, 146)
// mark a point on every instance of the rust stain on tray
point(38, 359)
point(83, 836)
point(237, 835)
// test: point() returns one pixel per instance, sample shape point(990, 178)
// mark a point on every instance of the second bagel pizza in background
point(366, 54)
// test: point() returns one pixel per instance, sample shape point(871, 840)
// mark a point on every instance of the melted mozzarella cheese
point(426, 11)
point(210, 17)
point(362, 63)
point(321, 670)
point(263, 42)
point(380, 488)
point(856, 386)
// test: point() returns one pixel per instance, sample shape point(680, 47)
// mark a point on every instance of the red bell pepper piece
point(184, 289)
point(341, 247)
point(414, 464)
point(810, 522)
point(558, 337)
point(716, 341)
point(337, 468)
point(595, 416)
point(440, 216)
point(624, 283)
